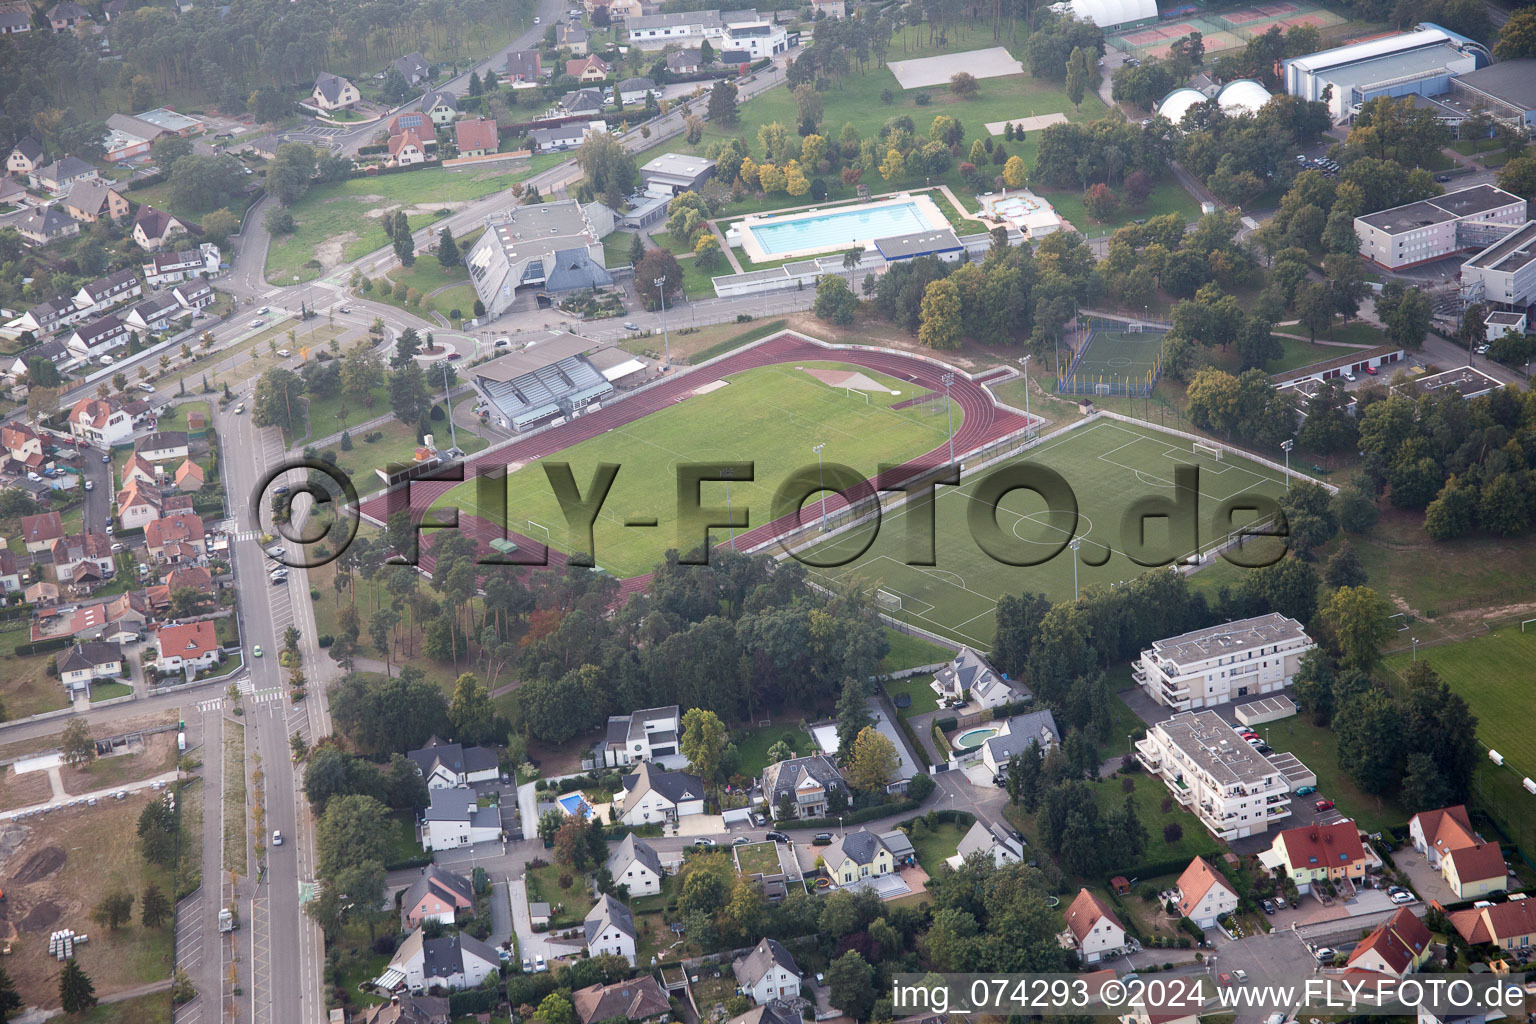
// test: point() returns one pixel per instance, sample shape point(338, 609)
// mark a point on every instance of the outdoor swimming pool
point(575, 804)
point(813, 232)
point(973, 738)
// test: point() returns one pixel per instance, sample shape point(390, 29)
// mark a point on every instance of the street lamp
point(947, 380)
point(1286, 447)
point(1028, 419)
point(1075, 544)
point(453, 436)
point(730, 520)
point(666, 340)
point(1415, 648)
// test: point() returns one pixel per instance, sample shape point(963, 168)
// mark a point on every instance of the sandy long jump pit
point(924, 71)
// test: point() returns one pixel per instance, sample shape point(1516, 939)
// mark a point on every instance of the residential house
point(637, 999)
point(46, 317)
point(1205, 894)
point(1398, 946)
point(189, 647)
point(1217, 664)
point(406, 149)
point(190, 577)
point(114, 9)
point(156, 313)
point(565, 136)
point(454, 818)
point(855, 855)
point(405, 1008)
point(1014, 737)
point(588, 69)
point(25, 157)
point(12, 192)
point(1137, 1012)
point(648, 735)
point(439, 106)
point(169, 267)
point(41, 593)
point(1510, 925)
point(1316, 854)
point(450, 765)
point(635, 865)
point(971, 678)
point(141, 469)
point(413, 121)
point(414, 68)
point(476, 137)
point(768, 973)
point(61, 175)
point(66, 15)
point(175, 538)
point(771, 1013)
point(522, 68)
point(1470, 865)
point(572, 37)
point(83, 664)
point(583, 102)
point(652, 794)
point(836, 9)
point(153, 229)
point(332, 92)
point(609, 927)
point(138, 503)
point(633, 91)
point(103, 293)
point(20, 444)
point(40, 531)
point(162, 446)
point(1092, 928)
point(622, 10)
point(745, 37)
point(437, 895)
point(47, 223)
point(72, 554)
point(194, 295)
point(993, 842)
point(454, 962)
point(190, 477)
point(10, 572)
point(90, 201)
point(687, 61)
point(803, 784)
point(1233, 789)
point(655, 31)
point(100, 421)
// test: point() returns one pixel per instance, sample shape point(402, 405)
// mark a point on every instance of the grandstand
point(547, 377)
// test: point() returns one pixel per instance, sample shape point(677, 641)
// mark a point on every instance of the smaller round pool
point(973, 738)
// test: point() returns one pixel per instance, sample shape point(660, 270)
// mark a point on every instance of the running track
point(983, 423)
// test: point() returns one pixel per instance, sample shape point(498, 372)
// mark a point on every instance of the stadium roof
point(1371, 49)
point(1178, 103)
point(1513, 81)
point(1244, 96)
point(545, 348)
point(1105, 13)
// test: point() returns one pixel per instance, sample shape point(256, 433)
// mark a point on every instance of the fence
point(1107, 380)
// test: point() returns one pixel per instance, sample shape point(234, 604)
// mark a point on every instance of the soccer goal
point(888, 601)
point(1210, 450)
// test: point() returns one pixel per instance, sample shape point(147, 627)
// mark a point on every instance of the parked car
point(527, 966)
point(538, 963)
point(1269, 907)
point(1324, 805)
point(1371, 370)
point(703, 841)
point(1306, 791)
point(1402, 897)
point(741, 840)
point(90, 485)
point(257, 322)
point(106, 458)
point(145, 385)
point(1325, 955)
point(630, 325)
point(776, 837)
point(822, 839)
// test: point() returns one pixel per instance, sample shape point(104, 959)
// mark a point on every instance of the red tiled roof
point(1478, 863)
point(405, 138)
point(188, 640)
point(1086, 911)
point(479, 133)
point(182, 526)
point(93, 411)
point(1496, 923)
point(1196, 881)
point(1323, 846)
point(45, 526)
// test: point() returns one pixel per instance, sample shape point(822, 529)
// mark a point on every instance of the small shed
point(538, 915)
point(1121, 885)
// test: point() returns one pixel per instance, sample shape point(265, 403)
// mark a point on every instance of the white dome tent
point(1105, 13)
point(1177, 103)
point(1244, 96)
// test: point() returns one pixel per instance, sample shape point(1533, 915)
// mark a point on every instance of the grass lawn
point(397, 445)
point(404, 847)
point(332, 415)
point(25, 687)
point(154, 1008)
point(1122, 720)
point(1318, 749)
point(1356, 332)
point(753, 745)
point(779, 412)
point(616, 246)
point(697, 282)
point(1149, 795)
point(1293, 354)
point(1167, 197)
point(1104, 463)
point(937, 845)
point(235, 845)
point(567, 906)
point(176, 415)
point(334, 223)
point(428, 276)
point(911, 652)
point(108, 691)
point(758, 859)
point(918, 689)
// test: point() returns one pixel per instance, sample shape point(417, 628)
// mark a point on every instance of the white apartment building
point(1469, 218)
point(736, 35)
point(649, 735)
point(1233, 789)
point(1504, 274)
point(1221, 663)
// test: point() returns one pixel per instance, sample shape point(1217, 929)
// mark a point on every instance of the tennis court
point(1226, 29)
point(1109, 465)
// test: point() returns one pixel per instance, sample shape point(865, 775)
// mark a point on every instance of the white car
point(1402, 897)
point(538, 963)
point(284, 353)
point(146, 386)
point(277, 837)
point(90, 485)
point(257, 322)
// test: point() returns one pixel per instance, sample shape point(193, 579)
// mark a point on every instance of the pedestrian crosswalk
point(245, 535)
point(210, 705)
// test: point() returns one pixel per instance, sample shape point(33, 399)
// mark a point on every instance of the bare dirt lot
point(60, 870)
point(158, 754)
point(23, 790)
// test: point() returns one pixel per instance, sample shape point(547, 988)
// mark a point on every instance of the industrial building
point(1469, 218)
point(671, 173)
point(1422, 62)
point(1507, 90)
point(549, 246)
point(1505, 272)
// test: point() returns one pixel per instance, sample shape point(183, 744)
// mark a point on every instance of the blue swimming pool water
point(839, 228)
point(574, 804)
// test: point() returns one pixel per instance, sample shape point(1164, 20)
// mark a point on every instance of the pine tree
point(76, 992)
point(447, 249)
point(636, 251)
point(154, 908)
point(475, 88)
point(10, 999)
point(405, 245)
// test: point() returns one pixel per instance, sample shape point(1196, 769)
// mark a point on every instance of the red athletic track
point(983, 422)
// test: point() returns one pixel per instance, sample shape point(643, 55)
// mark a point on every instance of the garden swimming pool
point(840, 228)
point(575, 804)
point(973, 738)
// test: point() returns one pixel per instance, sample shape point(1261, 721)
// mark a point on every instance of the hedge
point(854, 817)
point(475, 1000)
point(1152, 868)
point(946, 724)
point(947, 816)
point(421, 860)
point(921, 751)
point(16, 611)
point(1194, 930)
point(58, 643)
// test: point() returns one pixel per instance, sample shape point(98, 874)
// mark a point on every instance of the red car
point(1324, 805)
point(1249, 734)
point(1371, 370)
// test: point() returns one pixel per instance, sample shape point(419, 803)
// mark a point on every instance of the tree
point(658, 264)
point(76, 993)
point(1315, 308)
point(218, 225)
point(447, 249)
point(1517, 36)
point(1344, 568)
point(1289, 587)
point(1405, 313)
point(1369, 727)
point(353, 830)
point(396, 90)
point(1356, 619)
point(808, 108)
point(964, 84)
point(205, 182)
point(609, 167)
point(872, 762)
point(1519, 176)
point(853, 715)
point(1080, 68)
point(703, 743)
point(1100, 202)
point(409, 398)
point(471, 711)
point(405, 244)
point(10, 999)
point(556, 1009)
point(722, 104)
point(1423, 783)
point(636, 251)
point(940, 320)
point(1015, 174)
point(291, 171)
point(834, 302)
point(76, 743)
point(114, 910)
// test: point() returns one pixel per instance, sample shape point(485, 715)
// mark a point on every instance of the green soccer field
point(1108, 464)
point(1122, 353)
point(771, 416)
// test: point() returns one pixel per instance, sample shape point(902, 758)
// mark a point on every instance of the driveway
point(501, 913)
point(888, 729)
point(1425, 880)
point(529, 942)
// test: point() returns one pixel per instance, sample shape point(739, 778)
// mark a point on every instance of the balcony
point(1182, 793)
point(1150, 757)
